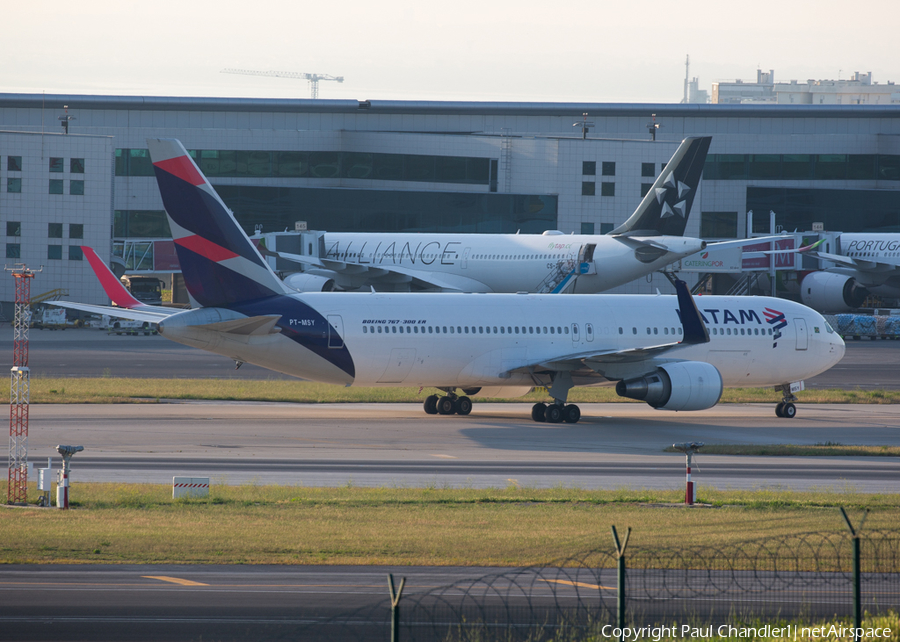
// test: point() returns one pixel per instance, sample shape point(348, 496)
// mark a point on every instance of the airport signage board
point(724, 260)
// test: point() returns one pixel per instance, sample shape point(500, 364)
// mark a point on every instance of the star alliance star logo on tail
point(777, 321)
point(682, 190)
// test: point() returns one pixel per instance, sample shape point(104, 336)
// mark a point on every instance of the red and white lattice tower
point(17, 491)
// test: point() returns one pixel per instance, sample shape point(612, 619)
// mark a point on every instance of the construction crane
point(312, 78)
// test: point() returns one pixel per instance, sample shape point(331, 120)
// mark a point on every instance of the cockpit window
point(828, 328)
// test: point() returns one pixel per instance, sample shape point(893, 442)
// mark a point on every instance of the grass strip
point(136, 390)
point(828, 449)
point(142, 524)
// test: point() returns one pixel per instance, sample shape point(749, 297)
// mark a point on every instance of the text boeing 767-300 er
point(658, 348)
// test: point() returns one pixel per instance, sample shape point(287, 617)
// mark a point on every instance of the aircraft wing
point(857, 264)
point(389, 273)
point(694, 332)
point(127, 307)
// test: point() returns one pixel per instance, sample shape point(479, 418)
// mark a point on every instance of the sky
point(597, 51)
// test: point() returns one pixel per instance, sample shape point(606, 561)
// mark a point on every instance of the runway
point(613, 446)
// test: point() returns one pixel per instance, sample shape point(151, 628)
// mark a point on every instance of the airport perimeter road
point(92, 353)
point(614, 445)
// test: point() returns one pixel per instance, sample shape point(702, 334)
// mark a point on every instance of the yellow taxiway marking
point(581, 584)
point(174, 580)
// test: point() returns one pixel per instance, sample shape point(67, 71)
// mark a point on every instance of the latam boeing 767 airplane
point(658, 348)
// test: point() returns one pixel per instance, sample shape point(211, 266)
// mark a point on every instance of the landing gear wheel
point(779, 409)
point(446, 406)
point(553, 414)
point(572, 414)
point(537, 412)
point(431, 405)
point(789, 411)
point(463, 406)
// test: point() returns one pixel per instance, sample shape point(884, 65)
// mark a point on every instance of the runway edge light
point(62, 487)
point(689, 448)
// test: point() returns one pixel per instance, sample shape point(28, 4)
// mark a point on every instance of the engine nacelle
point(303, 282)
point(685, 385)
point(831, 292)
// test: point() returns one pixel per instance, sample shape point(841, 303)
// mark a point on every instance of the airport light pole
point(19, 390)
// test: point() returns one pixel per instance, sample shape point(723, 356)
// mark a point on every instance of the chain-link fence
point(810, 576)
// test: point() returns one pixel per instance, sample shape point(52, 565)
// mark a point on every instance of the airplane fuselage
point(472, 340)
point(510, 262)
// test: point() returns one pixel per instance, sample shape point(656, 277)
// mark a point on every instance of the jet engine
point(683, 385)
point(303, 282)
point(831, 292)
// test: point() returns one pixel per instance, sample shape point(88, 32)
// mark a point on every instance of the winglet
point(694, 329)
point(111, 285)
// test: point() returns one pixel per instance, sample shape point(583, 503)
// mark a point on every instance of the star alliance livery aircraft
point(649, 240)
point(660, 349)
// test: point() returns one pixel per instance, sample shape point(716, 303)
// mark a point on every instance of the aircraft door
point(802, 334)
point(575, 334)
point(399, 365)
point(335, 331)
point(586, 263)
point(465, 258)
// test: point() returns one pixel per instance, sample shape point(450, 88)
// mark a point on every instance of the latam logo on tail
point(775, 319)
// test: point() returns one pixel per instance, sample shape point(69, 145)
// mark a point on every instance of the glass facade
point(839, 210)
point(148, 224)
point(277, 208)
point(821, 167)
point(322, 164)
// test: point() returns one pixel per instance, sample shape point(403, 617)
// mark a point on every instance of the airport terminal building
point(74, 170)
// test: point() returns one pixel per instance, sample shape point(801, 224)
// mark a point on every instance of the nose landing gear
point(786, 408)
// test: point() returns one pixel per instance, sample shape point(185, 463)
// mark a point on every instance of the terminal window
point(54, 230)
point(56, 186)
point(647, 169)
point(607, 189)
point(587, 228)
point(54, 252)
point(76, 231)
point(609, 168)
point(588, 188)
point(14, 164)
point(76, 165)
point(56, 165)
point(718, 225)
point(645, 188)
point(589, 168)
point(75, 253)
point(14, 185)
point(76, 188)
point(13, 251)
point(13, 228)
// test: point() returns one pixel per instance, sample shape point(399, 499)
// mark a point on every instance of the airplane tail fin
point(219, 263)
point(665, 209)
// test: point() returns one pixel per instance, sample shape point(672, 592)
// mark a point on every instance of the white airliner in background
point(660, 349)
point(867, 263)
point(649, 240)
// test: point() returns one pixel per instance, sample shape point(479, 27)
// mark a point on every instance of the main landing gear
point(786, 408)
point(559, 410)
point(556, 412)
point(449, 405)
